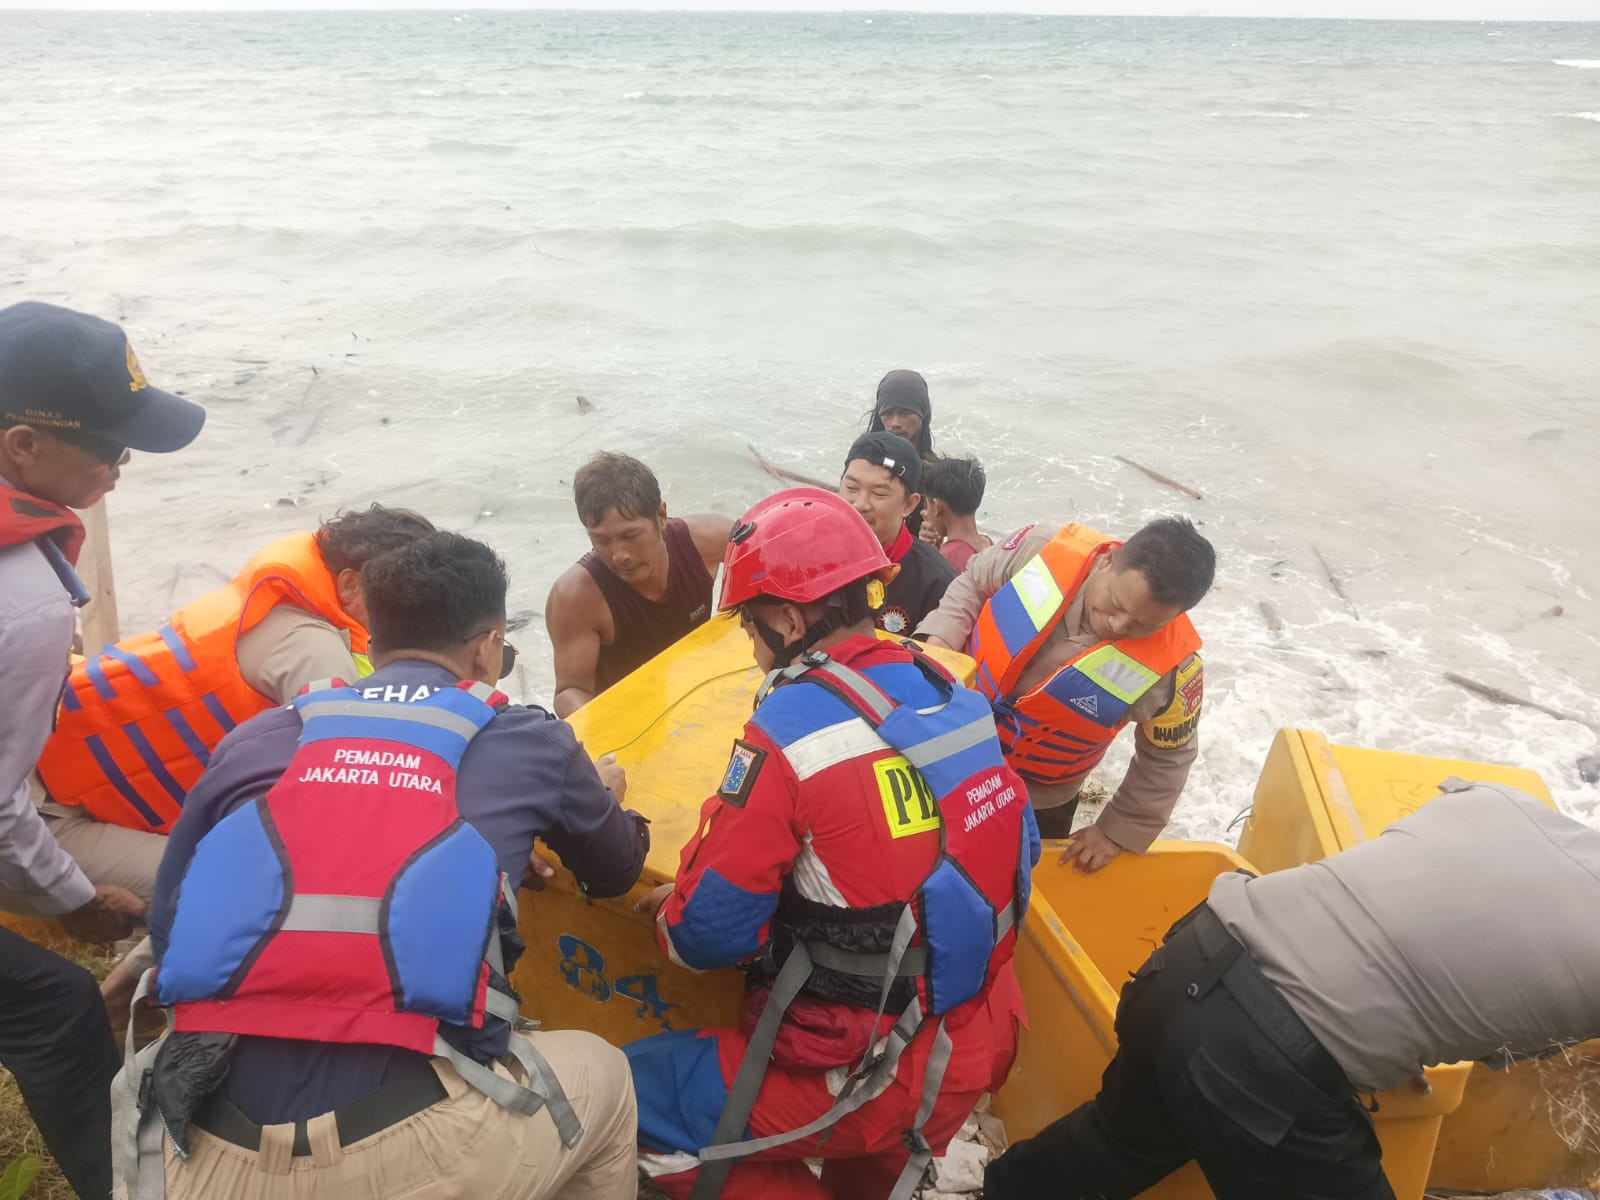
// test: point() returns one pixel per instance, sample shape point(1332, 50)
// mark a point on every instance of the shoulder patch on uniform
point(1191, 685)
point(743, 768)
point(1015, 540)
point(1175, 725)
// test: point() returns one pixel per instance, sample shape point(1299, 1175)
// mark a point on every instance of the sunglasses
point(107, 452)
point(508, 652)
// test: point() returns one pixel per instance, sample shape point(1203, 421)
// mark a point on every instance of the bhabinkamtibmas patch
point(1176, 724)
point(743, 768)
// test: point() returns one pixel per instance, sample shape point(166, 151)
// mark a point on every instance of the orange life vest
point(1061, 728)
point(139, 719)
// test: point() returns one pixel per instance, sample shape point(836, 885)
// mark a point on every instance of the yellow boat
point(595, 964)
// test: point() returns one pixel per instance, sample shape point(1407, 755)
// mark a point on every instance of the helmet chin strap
point(784, 653)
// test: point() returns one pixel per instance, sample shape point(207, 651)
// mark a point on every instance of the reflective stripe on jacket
point(1062, 727)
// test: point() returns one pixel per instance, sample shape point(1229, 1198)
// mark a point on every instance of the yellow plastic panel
point(1388, 786)
point(1083, 936)
point(1314, 799)
point(1532, 1126)
point(596, 965)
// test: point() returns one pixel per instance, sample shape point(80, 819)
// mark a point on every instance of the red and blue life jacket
point(963, 917)
point(352, 903)
point(966, 911)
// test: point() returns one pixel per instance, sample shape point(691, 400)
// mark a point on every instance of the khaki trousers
point(106, 853)
point(465, 1147)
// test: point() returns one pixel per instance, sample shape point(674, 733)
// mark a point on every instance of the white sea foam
point(1585, 64)
point(1583, 116)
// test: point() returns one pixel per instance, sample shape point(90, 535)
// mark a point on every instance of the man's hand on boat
point(652, 900)
point(612, 775)
point(109, 916)
point(1090, 850)
point(539, 869)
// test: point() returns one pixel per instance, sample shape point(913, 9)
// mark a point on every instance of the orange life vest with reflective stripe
point(1061, 728)
point(139, 719)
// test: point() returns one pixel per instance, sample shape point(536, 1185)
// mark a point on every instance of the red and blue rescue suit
point(868, 854)
point(350, 904)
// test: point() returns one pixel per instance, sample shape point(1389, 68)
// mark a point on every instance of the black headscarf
point(908, 390)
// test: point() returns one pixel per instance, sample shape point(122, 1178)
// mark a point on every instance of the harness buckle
point(146, 1087)
point(915, 1142)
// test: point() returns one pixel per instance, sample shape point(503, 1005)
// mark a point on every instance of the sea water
point(1340, 278)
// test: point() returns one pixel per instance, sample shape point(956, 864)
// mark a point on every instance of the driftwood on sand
point(1501, 696)
point(1159, 477)
point(1333, 582)
point(784, 475)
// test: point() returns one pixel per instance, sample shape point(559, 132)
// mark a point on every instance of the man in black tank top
point(645, 583)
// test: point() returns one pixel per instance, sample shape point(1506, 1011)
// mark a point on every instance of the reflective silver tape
point(332, 914)
point(420, 713)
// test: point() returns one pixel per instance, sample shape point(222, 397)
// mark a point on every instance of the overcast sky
point(1449, 10)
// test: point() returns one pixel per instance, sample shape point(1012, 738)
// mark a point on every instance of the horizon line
point(756, 9)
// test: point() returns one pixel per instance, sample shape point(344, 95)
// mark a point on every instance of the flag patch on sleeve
point(743, 767)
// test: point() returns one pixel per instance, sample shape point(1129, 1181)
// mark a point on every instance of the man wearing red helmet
point(865, 860)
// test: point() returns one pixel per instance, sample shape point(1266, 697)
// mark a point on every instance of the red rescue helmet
point(799, 545)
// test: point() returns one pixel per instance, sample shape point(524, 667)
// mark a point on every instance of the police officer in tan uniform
point(1124, 595)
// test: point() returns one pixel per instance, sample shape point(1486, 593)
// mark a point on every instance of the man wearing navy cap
point(882, 475)
point(73, 403)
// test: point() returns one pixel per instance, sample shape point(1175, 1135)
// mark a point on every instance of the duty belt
point(390, 1104)
point(1229, 964)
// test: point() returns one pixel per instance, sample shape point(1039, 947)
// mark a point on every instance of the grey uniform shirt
point(37, 621)
point(1143, 802)
point(1464, 931)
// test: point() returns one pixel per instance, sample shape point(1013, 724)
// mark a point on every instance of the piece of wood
point(1333, 582)
point(98, 619)
point(783, 475)
point(1159, 477)
point(1270, 616)
point(1501, 696)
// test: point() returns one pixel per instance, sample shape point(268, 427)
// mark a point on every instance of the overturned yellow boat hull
point(595, 964)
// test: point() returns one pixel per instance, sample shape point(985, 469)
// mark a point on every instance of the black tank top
point(641, 628)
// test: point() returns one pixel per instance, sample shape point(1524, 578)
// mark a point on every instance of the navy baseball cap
point(69, 373)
